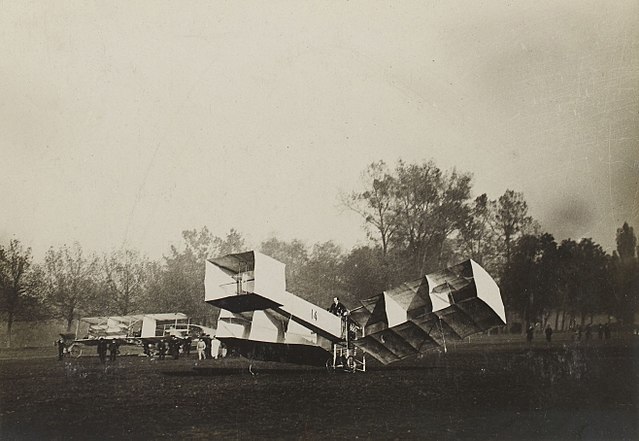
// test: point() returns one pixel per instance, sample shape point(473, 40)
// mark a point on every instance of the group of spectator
point(207, 347)
point(112, 346)
point(603, 332)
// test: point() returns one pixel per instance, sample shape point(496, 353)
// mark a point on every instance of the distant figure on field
point(113, 349)
point(186, 346)
point(607, 331)
point(215, 348)
point(588, 332)
point(207, 342)
point(578, 332)
point(102, 349)
point(174, 346)
point(600, 331)
point(529, 333)
point(548, 333)
point(337, 308)
point(162, 349)
point(61, 348)
point(201, 347)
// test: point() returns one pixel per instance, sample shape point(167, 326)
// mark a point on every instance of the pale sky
point(124, 123)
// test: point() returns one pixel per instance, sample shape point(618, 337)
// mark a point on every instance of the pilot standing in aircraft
point(337, 308)
point(340, 310)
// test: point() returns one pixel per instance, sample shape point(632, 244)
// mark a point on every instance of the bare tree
point(376, 203)
point(511, 220)
point(15, 283)
point(125, 278)
point(430, 205)
point(70, 282)
point(477, 236)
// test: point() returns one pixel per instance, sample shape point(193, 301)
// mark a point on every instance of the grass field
point(484, 391)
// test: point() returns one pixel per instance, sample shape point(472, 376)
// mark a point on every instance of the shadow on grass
point(291, 371)
point(225, 371)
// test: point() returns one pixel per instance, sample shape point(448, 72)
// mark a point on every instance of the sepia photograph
point(319, 220)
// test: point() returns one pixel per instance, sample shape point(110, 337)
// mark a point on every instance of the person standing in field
point(201, 347)
point(175, 347)
point(102, 349)
point(529, 333)
point(548, 333)
point(207, 342)
point(186, 346)
point(113, 349)
point(162, 349)
point(61, 348)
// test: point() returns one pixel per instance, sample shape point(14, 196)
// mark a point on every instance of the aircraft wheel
point(329, 366)
point(75, 351)
point(351, 365)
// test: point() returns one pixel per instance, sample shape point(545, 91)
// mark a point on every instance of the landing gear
point(350, 365)
point(345, 355)
point(330, 368)
point(75, 350)
point(345, 360)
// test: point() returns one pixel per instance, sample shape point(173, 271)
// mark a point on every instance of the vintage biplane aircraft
point(138, 329)
point(260, 320)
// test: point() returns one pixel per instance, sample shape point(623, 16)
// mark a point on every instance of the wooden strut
point(441, 329)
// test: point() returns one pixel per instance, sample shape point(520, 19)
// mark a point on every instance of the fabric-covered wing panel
point(373, 347)
point(462, 324)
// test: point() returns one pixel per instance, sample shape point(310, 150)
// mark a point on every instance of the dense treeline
point(418, 218)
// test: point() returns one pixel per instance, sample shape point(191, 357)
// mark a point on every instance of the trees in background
point(429, 205)
point(323, 274)
point(478, 237)
point(585, 281)
point(572, 279)
point(314, 274)
point(530, 279)
point(624, 270)
point(70, 283)
point(177, 283)
point(19, 283)
point(365, 272)
point(418, 217)
point(294, 255)
point(511, 220)
point(123, 281)
point(423, 218)
point(376, 203)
